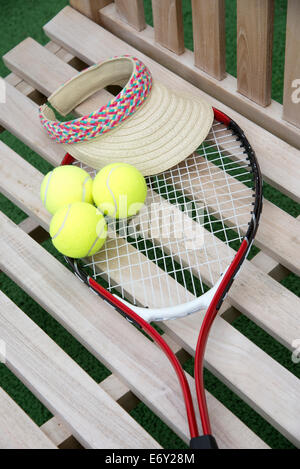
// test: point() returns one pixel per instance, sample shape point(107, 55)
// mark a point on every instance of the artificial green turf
point(23, 18)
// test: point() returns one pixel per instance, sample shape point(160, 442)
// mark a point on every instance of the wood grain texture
point(63, 387)
point(15, 118)
point(132, 12)
point(291, 97)
point(268, 265)
point(61, 435)
point(17, 430)
point(30, 51)
point(168, 24)
point(90, 8)
point(254, 49)
point(29, 225)
point(223, 93)
point(209, 36)
point(17, 81)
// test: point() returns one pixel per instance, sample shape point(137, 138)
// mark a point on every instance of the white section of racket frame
point(176, 311)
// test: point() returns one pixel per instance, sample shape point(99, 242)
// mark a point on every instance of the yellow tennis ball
point(64, 185)
point(78, 230)
point(119, 190)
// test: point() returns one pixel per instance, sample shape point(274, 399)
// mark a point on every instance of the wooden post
point(254, 49)
point(168, 24)
point(209, 36)
point(132, 12)
point(90, 8)
point(291, 97)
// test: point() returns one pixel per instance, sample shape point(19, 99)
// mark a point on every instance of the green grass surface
point(23, 18)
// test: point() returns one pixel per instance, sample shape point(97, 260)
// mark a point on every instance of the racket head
point(170, 259)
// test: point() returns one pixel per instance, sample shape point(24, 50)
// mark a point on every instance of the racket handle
point(203, 442)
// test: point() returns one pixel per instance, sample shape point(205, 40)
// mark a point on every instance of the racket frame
point(222, 286)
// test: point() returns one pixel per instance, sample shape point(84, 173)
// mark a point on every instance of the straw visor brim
point(165, 130)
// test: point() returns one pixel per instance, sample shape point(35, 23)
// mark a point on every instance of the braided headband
point(125, 71)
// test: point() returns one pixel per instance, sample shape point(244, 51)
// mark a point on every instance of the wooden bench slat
point(132, 12)
point(254, 49)
point(270, 266)
point(17, 430)
point(109, 336)
point(53, 47)
point(278, 230)
point(20, 117)
point(291, 97)
point(168, 24)
point(187, 335)
point(60, 71)
point(60, 434)
point(63, 386)
point(16, 80)
point(13, 79)
point(47, 61)
point(279, 161)
point(209, 49)
point(119, 392)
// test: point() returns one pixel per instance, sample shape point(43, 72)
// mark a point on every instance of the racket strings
point(195, 216)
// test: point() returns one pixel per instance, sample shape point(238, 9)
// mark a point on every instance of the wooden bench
point(97, 416)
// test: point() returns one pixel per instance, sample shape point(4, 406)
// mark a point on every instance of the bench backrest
point(250, 93)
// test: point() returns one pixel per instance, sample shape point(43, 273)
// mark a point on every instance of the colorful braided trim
point(106, 117)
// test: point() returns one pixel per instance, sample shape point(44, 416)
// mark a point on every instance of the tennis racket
point(182, 251)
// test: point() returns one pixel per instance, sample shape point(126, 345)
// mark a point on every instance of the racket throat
point(172, 312)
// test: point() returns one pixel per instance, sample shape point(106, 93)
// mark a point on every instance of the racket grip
point(203, 442)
